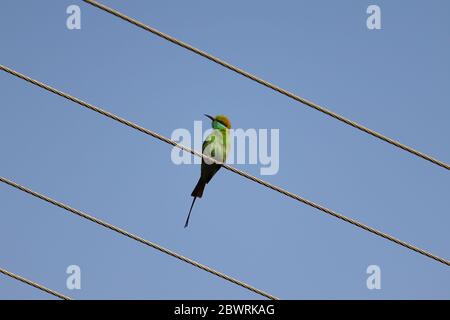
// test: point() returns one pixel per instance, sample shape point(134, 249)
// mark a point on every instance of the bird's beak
point(211, 117)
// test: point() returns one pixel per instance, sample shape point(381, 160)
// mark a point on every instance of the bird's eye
point(221, 123)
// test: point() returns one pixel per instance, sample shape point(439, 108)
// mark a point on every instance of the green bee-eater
point(216, 146)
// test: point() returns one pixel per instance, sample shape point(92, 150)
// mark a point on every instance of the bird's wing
point(209, 139)
point(209, 169)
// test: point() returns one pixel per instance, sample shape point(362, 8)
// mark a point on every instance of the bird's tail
point(196, 193)
point(198, 190)
point(190, 210)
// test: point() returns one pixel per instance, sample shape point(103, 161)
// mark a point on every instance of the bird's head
point(219, 122)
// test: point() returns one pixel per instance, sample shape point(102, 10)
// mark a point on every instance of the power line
point(226, 166)
point(268, 84)
point(137, 238)
point(34, 284)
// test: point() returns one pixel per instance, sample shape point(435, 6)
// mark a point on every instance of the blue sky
point(394, 80)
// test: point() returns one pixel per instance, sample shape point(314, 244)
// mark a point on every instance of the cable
point(268, 84)
point(137, 238)
point(226, 166)
point(34, 284)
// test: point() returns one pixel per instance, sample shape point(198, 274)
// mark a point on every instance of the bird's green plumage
point(216, 146)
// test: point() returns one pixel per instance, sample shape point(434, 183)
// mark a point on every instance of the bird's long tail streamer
point(190, 210)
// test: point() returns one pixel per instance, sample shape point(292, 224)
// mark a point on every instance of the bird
point(215, 146)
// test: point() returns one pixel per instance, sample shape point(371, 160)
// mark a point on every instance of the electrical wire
point(34, 284)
